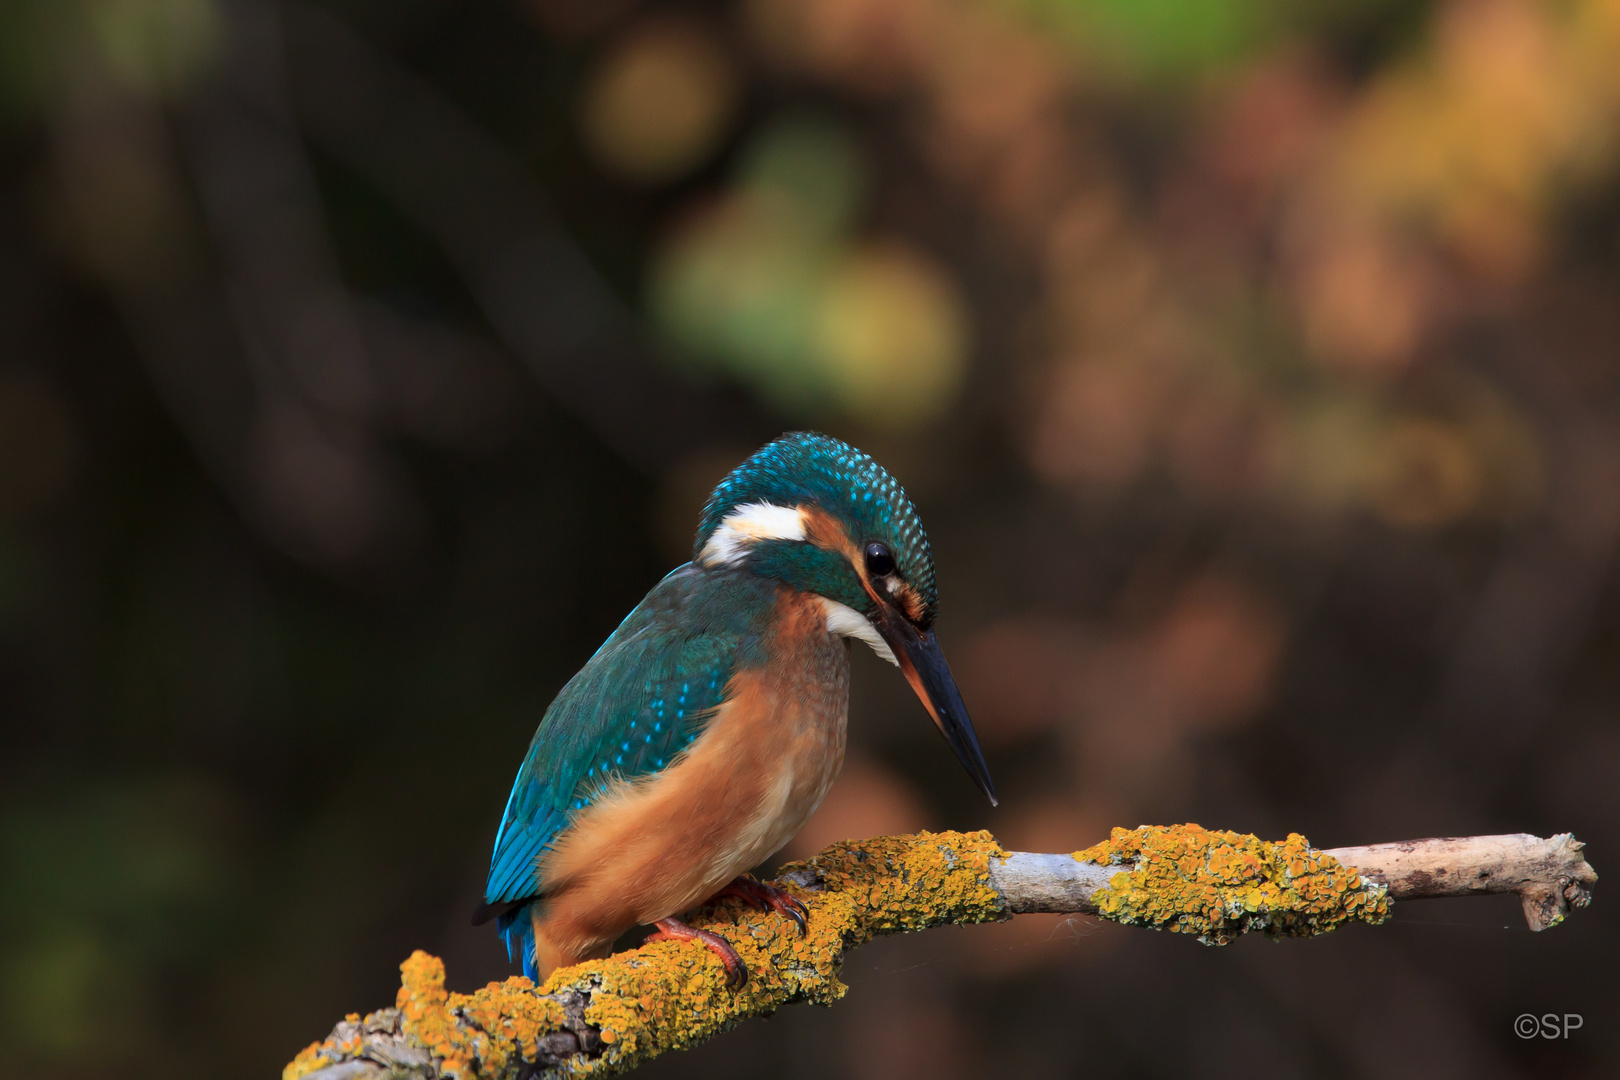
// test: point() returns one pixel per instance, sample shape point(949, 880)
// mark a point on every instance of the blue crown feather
point(806, 467)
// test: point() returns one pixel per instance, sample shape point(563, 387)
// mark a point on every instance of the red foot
point(762, 897)
point(673, 929)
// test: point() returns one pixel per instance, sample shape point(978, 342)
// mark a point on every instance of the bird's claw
point(765, 897)
point(675, 930)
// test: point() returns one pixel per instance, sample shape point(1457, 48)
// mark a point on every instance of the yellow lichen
point(423, 1004)
point(1218, 885)
point(308, 1060)
point(487, 1033)
point(669, 995)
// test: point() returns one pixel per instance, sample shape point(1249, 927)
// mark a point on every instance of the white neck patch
point(747, 525)
point(847, 622)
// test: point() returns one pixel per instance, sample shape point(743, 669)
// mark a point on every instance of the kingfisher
point(708, 727)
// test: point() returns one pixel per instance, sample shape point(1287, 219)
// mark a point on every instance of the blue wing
point(634, 706)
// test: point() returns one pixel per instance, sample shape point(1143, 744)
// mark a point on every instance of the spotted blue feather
point(805, 467)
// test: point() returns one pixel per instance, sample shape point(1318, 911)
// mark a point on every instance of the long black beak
point(925, 669)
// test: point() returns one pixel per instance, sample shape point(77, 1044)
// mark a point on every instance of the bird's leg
point(763, 897)
point(672, 929)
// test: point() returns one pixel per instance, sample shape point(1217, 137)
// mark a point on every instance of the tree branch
point(607, 1016)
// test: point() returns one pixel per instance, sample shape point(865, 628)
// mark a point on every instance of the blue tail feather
point(516, 928)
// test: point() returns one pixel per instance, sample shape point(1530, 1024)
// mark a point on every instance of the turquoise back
point(636, 704)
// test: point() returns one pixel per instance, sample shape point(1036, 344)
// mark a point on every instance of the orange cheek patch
point(825, 531)
point(909, 602)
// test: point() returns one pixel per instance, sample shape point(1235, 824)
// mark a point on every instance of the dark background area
point(1252, 365)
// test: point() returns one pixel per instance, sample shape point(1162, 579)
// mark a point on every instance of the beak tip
point(918, 655)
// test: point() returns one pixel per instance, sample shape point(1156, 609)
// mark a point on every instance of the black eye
point(879, 561)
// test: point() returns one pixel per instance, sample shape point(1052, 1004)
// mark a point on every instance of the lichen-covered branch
point(1550, 876)
point(607, 1016)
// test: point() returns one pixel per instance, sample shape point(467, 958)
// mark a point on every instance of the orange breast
point(663, 844)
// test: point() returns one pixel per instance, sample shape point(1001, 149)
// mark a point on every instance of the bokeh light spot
point(660, 102)
point(893, 337)
point(768, 287)
point(1425, 475)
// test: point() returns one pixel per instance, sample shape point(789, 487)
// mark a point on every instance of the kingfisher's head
point(824, 518)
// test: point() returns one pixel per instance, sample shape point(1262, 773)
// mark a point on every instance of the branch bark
point(607, 1016)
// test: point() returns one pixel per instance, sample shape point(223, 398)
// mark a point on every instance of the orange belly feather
point(660, 845)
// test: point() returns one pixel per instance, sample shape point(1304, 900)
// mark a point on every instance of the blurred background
point(363, 362)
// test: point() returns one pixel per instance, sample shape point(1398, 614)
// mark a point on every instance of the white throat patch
point(747, 525)
point(847, 622)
